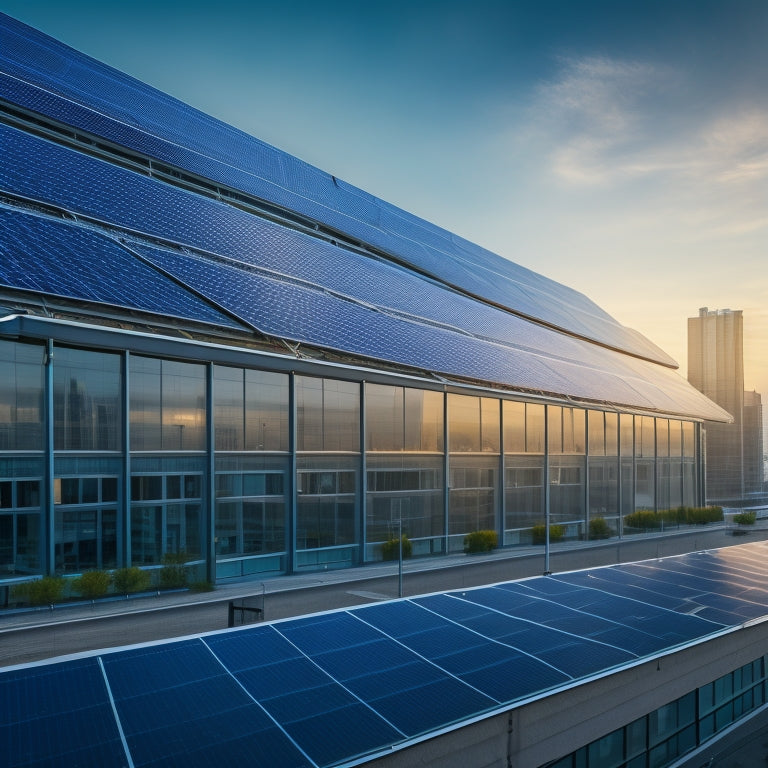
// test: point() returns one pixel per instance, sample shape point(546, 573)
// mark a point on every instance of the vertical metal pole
point(209, 514)
point(49, 534)
point(124, 558)
point(400, 548)
point(547, 571)
point(292, 490)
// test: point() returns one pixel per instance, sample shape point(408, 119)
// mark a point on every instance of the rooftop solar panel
point(60, 259)
point(42, 75)
point(335, 687)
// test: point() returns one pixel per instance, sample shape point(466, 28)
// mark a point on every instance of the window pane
point(183, 406)
point(266, 411)
point(229, 408)
point(146, 408)
point(86, 401)
point(328, 415)
point(21, 396)
point(514, 427)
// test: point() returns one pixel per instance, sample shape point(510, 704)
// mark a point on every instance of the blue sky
point(619, 147)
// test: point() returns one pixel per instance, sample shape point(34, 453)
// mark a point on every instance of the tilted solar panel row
point(57, 259)
point(339, 687)
point(86, 94)
point(313, 292)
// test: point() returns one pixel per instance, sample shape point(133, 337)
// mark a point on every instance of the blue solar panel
point(330, 688)
point(176, 702)
point(304, 699)
point(527, 356)
point(61, 259)
point(90, 96)
point(58, 715)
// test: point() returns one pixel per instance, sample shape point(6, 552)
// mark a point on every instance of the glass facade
point(404, 440)
point(663, 736)
point(246, 470)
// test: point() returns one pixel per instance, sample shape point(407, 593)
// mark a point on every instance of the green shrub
point(92, 584)
point(390, 550)
point(703, 515)
point(644, 519)
point(127, 580)
point(45, 591)
point(539, 533)
point(173, 574)
point(481, 541)
point(599, 528)
point(202, 586)
point(745, 518)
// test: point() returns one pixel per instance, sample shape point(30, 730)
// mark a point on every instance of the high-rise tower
point(716, 368)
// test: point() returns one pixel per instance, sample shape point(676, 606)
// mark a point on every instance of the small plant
point(390, 550)
point(745, 518)
point(133, 579)
point(480, 541)
point(173, 574)
point(644, 519)
point(202, 586)
point(599, 528)
point(539, 533)
point(92, 584)
point(45, 591)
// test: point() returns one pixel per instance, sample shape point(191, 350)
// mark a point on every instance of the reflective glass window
point(251, 410)
point(86, 401)
point(328, 414)
point(645, 437)
point(21, 396)
point(473, 424)
point(626, 434)
point(167, 405)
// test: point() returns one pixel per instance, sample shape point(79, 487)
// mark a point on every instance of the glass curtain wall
point(87, 438)
point(645, 462)
point(404, 464)
point(627, 458)
point(251, 435)
point(567, 456)
point(603, 431)
point(689, 464)
point(168, 459)
point(21, 458)
point(328, 469)
point(474, 441)
point(523, 469)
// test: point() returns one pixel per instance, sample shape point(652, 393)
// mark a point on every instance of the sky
point(619, 147)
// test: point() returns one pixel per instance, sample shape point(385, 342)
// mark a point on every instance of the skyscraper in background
point(716, 368)
point(753, 443)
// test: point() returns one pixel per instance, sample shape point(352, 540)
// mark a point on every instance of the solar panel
point(421, 332)
point(58, 715)
point(53, 80)
point(59, 259)
point(177, 703)
point(335, 687)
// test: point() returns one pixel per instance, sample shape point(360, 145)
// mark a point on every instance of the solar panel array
point(45, 77)
point(339, 687)
point(284, 283)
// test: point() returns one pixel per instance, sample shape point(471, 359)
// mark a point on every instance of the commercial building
point(211, 348)
point(734, 452)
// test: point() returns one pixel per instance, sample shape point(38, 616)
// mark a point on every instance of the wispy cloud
point(611, 122)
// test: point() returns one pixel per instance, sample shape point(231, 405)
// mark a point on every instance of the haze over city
point(618, 148)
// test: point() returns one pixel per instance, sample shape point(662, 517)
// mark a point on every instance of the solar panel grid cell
point(51, 714)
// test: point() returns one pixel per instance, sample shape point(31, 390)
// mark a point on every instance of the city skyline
point(617, 148)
